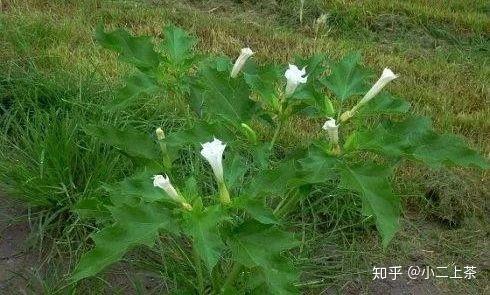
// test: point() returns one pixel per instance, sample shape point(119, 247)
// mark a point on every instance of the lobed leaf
point(134, 50)
point(178, 44)
point(131, 142)
point(201, 224)
point(414, 139)
point(256, 245)
point(347, 77)
point(372, 184)
point(385, 103)
point(223, 96)
point(135, 226)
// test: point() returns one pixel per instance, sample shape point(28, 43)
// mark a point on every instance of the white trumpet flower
point(294, 77)
point(213, 153)
point(332, 130)
point(385, 78)
point(245, 54)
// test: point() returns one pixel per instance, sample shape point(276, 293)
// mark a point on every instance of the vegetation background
point(54, 79)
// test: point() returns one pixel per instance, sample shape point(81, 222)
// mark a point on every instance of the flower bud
point(160, 134)
point(245, 54)
point(163, 182)
point(332, 130)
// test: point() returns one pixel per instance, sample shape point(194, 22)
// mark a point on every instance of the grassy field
point(54, 79)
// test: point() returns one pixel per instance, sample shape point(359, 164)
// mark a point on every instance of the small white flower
point(385, 78)
point(213, 153)
point(245, 54)
point(332, 130)
point(160, 134)
point(294, 77)
point(163, 182)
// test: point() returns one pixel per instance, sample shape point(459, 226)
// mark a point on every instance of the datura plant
point(220, 188)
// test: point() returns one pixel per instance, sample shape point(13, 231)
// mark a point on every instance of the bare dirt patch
point(16, 260)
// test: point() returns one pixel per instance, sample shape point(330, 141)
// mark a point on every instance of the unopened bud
point(160, 134)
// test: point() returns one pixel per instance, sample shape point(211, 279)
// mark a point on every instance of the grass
point(54, 79)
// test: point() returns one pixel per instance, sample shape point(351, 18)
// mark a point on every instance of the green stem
point(285, 209)
point(198, 266)
point(234, 272)
point(276, 133)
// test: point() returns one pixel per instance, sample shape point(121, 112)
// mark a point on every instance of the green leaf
point(347, 77)
point(139, 185)
point(195, 135)
point(201, 224)
point(263, 80)
point(235, 167)
point(132, 142)
point(134, 226)
point(314, 66)
point(385, 103)
point(256, 245)
point(223, 96)
point(372, 184)
point(134, 50)
point(91, 208)
point(414, 139)
point(256, 208)
point(274, 181)
point(178, 44)
point(318, 166)
point(136, 85)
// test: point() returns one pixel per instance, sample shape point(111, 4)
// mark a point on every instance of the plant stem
point(234, 272)
point(276, 133)
point(284, 209)
point(198, 266)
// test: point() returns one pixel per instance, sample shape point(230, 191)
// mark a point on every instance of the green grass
point(54, 79)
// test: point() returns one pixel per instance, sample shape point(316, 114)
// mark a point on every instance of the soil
point(16, 261)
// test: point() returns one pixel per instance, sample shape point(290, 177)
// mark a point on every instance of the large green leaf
point(131, 142)
point(260, 246)
point(256, 207)
point(275, 181)
point(195, 135)
point(136, 85)
point(372, 183)
point(201, 224)
point(134, 50)
point(413, 138)
point(385, 103)
point(318, 166)
point(223, 96)
point(263, 80)
point(347, 77)
point(178, 44)
point(134, 188)
point(134, 226)
point(91, 208)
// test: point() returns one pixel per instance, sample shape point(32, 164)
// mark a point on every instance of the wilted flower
point(332, 130)
point(245, 53)
point(163, 182)
point(213, 153)
point(294, 77)
point(385, 78)
point(160, 134)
